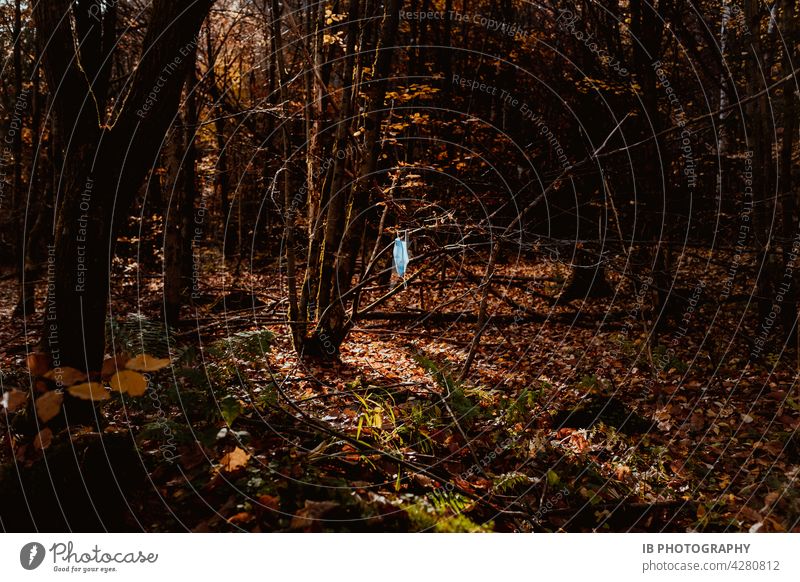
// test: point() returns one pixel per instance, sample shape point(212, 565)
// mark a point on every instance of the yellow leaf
point(236, 459)
point(89, 391)
point(14, 399)
point(66, 376)
point(145, 363)
point(48, 405)
point(112, 365)
point(43, 439)
point(131, 382)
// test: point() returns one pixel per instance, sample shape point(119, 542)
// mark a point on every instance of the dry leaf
point(38, 364)
point(14, 399)
point(235, 460)
point(145, 363)
point(270, 502)
point(66, 376)
point(89, 391)
point(241, 517)
point(622, 472)
point(49, 405)
point(112, 365)
point(43, 439)
point(129, 382)
point(313, 511)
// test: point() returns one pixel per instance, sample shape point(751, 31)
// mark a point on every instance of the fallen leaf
point(14, 399)
point(312, 512)
point(270, 502)
point(66, 376)
point(622, 472)
point(48, 405)
point(38, 364)
point(43, 439)
point(145, 363)
point(769, 500)
point(89, 391)
point(112, 365)
point(240, 517)
point(235, 460)
point(129, 382)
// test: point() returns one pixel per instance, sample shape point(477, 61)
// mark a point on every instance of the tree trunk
point(180, 227)
point(104, 165)
point(347, 205)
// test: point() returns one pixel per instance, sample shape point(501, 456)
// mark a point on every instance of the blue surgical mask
point(400, 256)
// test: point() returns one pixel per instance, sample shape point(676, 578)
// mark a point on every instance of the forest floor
point(570, 420)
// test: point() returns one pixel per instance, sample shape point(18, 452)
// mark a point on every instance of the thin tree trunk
point(288, 209)
point(179, 227)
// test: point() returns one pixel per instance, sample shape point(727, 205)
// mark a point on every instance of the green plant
point(136, 334)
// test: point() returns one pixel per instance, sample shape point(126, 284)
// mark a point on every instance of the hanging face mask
point(400, 255)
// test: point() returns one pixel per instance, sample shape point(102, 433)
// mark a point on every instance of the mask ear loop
point(405, 272)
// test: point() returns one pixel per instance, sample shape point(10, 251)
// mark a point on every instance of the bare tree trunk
point(221, 175)
point(103, 165)
point(347, 206)
point(335, 214)
point(786, 183)
point(179, 227)
point(288, 208)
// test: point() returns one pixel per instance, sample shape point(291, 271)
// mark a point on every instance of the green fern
point(244, 344)
point(136, 334)
point(510, 481)
point(463, 407)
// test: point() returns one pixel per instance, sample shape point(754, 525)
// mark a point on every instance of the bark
point(180, 227)
point(103, 164)
point(289, 210)
point(221, 177)
point(347, 205)
point(786, 183)
point(335, 215)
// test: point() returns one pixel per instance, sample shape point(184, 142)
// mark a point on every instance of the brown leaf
point(235, 460)
point(270, 502)
point(112, 365)
point(38, 364)
point(89, 391)
point(241, 517)
point(14, 399)
point(145, 363)
point(622, 472)
point(129, 382)
point(769, 500)
point(66, 376)
point(48, 405)
point(312, 512)
point(43, 439)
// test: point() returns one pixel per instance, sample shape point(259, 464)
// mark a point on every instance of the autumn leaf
point(48, 405)
point(66, 376)
point(14, 399)
point(241, 517)
point(235, 460)
point(312, 512)
point(270, 502)
point(112, 365)
point(89, 391)
point(43, 439)
point(145, 363)
point(38, 364)
point(129, 382)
